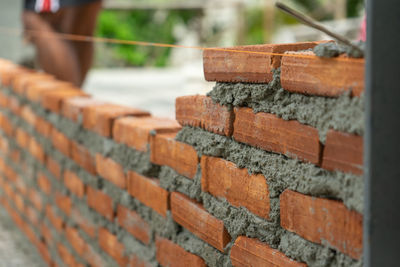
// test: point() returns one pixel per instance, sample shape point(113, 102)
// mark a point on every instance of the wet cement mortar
point(344, 113)
point(333, 49)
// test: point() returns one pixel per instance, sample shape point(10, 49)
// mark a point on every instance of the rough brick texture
point(322, 220)
point(133, 223)
point(111, 171)
point(274, 134)
point(200, 111)
point(100, 202)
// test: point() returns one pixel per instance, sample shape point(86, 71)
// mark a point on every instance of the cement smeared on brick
point(345, 113)
point(332, 49)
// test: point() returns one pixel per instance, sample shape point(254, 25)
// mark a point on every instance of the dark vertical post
point(382, 135)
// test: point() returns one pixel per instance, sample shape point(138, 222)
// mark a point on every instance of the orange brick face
point(251, 252)
point(148, 191)
point(44, 183)
point(110, 170)
point(222, 178)
point(196, 219)
point(43, 127)
point(134, 224)
point(85, 224)
point(53, 167)
point(100, 202)
point(36, 91)
point(321, 220)
point(53, 99)
point(170, 254)
point(28, 115)
point(200, 111)
point(135, 131)
point(74, 183)
point(22, 138)
point(76, 241)
point(226, 66)
point(82, 156)
point(343, 152)
point(179, 156)
point(61, 142)
point(72, 108)
point(110, 244)
point(63, 202)
point(100, 118)
point(55, 220)
point(318, 76)
point(268, 132)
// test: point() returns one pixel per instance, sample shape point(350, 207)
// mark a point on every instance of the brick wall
point(251, 175)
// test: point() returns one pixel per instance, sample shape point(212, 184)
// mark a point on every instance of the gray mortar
point(345, 113)
point(280, 172)
point(332, 49)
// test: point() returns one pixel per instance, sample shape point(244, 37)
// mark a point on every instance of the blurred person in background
point(43, 19)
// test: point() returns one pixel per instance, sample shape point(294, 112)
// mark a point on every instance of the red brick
point(100, 118)
point(224, 179)
point(111, 171)
point(134, 224)
point(7, 126)
point(100, 202)
point(53, 99)
point(76, 241)
point(44, 183)
point(65, 255)
point(21, 82)
point(63, 203)
point(74, 183)
point(110, 244)
point(53, 167)
point(10, 174)
point(135, 261)
point(322, 76)
point(32, 215)
point(36, 150)
point(93, 258)
point(251, 252)
point(19, 202)
point(268, 132)
point(254, 67)
point(35, 91)
point(35, 199)
point(21, 186)
point(8, 74)
point(14, 105)
point(201, 111)
point(148, 191)
point(15, 155)
point(4, 145)
point(28, 115)
point(46, 233)
point(179, 156)
point(196, 219)
point(343, 152)
point(85, 224)
point(45, 253)
point(135, 131)
point(322, 220)
point(54, 219)
point(82, 156)
point(61, 142)
point(171, 255)
point(73, 107)
point(43, 127)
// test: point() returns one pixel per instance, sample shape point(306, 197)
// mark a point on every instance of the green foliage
point(148, 26)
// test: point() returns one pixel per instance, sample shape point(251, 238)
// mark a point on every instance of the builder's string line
point(84, 38)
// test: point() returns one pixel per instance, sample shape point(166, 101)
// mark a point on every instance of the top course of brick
point(301, 71)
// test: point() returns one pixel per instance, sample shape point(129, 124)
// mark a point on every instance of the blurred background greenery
point(164, 21)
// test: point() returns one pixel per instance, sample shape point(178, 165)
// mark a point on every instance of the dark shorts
point(32, 4)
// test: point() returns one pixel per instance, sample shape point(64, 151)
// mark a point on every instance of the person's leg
point(81, 20)
point(55, 56)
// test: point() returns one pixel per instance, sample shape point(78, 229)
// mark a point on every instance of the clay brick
point(46, 233)
point(171, 255)
point(251, 252)
point(135, 261)
point(196, 219)
point(321, 76)
point(8, 74)
point(201, 111)
point(84, 223)
point(74, 183)
point(54, 167)
point(179, 156)
point(148, 191)
point(44, 183)
point(343, 152)
point(14, 105)
point(76, 241)
point(28, 115)
point(43, 127)
point(21, 186)
point(100, 118)
point(134, 224)
point(19, 202)
point(61, 142)
point(82, 156)
point(322, 220)
point(65, 255)
point(110, 244)
point(135, 131)
point(32, 215)
point(53, 99)
point(94, 258)
point(45, 253)
point(22, 82)
point(7, 126)
point(268, 132)
point(229, 66)
point(35, 91)
point(15, 155)
point(100, 202)
point(111, 171)
point(72, 108)
point(36, 199)
point(222, 178)
point(4, 145)
point(63, 202)
point(54, 219)
point(36, 150)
